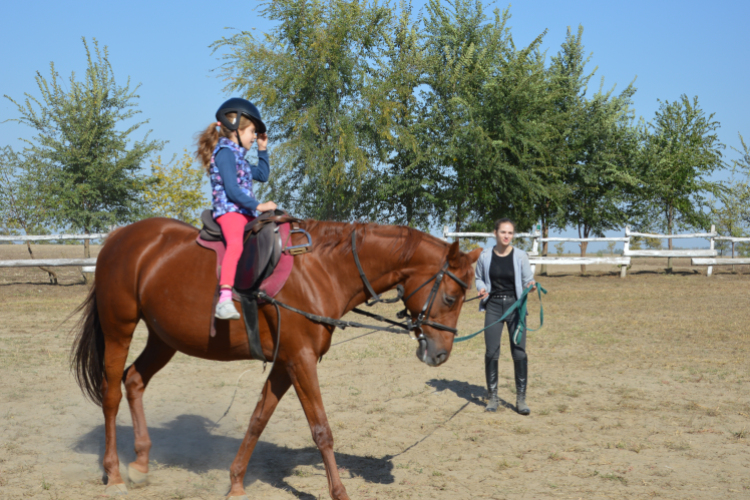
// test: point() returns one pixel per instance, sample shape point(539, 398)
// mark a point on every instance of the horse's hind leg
point(155, 355)
point(117, 337)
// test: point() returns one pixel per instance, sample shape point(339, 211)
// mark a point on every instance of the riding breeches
point(496, 307)
point(233, 229)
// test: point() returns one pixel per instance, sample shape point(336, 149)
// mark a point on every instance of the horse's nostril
point(441, 357)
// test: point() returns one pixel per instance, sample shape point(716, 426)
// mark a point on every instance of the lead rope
point(520, 303)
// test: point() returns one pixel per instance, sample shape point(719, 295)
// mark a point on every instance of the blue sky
point(672, 47)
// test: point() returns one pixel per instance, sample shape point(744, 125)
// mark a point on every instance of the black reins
point(405, 326)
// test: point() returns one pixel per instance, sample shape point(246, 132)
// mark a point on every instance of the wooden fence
point(87, 264)
point(722, 261)
point(711, 252)
point(700, 257)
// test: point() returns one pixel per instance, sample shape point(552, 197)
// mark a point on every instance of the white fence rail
point(88, 265)
point(535, 237)
point(711, 252)
point(700, 257)
point(48, 262)
point(55, 237)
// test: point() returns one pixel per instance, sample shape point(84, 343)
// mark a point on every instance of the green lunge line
point(522, 319)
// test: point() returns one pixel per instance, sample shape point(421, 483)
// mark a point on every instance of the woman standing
point(502, 274)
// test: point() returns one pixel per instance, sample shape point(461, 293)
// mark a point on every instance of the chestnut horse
point(154, 271)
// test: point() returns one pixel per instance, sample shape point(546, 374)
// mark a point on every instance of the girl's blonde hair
point(210, 137)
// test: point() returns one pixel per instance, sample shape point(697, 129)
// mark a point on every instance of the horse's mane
point(337, 237)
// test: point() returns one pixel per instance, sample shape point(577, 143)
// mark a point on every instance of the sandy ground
point(638, 389)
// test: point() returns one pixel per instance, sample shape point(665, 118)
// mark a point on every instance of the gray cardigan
point(521, 269)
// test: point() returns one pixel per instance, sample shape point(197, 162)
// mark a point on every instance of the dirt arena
point(639, 388)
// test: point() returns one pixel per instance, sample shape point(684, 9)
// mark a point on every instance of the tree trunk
point(459, 221)
point(87, 254)
point(669, 241)
point(584, 245)
point(545, 234)
point(50, 273)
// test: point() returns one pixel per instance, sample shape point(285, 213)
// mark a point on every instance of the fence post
point(625, 249)
point(710, 270)
point(535, 248)
point(445, 232)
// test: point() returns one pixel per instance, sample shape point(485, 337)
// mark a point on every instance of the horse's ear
point(474, 255)
point(454, 255)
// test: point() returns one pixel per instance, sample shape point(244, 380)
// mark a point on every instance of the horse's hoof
point(116, 489)
point(136, 476)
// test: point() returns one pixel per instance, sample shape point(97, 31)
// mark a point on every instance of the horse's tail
point(87, 354)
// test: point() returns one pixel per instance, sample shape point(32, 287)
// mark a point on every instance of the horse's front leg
point(305, 379)
point(276, 385)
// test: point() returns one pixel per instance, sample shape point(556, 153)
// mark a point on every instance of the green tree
point(311, 76)
point(513, 171)
point(176, 189)
point(682, 150)
point(404, 185)
point(603, 175)
point(20, 207)
point(567, 80)
point(88, 167)
point(486, 105)
point(731, 214)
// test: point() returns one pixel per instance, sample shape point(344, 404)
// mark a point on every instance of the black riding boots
point(490, 373)
point(521, 368)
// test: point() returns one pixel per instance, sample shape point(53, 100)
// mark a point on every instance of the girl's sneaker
point(226, 310)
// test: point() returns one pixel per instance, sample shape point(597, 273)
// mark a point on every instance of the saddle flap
point(211, 230)
point(260, 255)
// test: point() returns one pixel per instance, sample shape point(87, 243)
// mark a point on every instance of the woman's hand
point(266, 207)
point(262, 142)
point(532, 284)
point(482, 294)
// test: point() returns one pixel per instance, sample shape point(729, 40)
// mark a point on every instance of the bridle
point(406, 326)
point(424, 315)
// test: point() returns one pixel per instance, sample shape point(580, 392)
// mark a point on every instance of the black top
point(502, 275)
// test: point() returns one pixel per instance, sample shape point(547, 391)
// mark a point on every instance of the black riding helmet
point(241, 107)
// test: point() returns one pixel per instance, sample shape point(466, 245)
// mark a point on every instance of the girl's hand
point(266, 207)
point(262, 142)
point(482, 293)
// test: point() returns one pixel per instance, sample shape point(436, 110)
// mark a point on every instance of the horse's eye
point(449, 300)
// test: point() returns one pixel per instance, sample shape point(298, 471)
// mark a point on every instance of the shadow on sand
point(470, 392)
point(187, 442)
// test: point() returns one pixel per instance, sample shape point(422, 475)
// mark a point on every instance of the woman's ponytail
point(206, 144)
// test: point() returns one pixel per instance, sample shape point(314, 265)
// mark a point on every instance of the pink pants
point(232, 226)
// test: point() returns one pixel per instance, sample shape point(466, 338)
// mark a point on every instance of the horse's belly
point(176, 301)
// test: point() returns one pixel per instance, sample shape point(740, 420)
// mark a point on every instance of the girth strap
point(250, 311)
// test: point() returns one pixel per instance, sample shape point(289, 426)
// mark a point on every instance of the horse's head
point(434, 295)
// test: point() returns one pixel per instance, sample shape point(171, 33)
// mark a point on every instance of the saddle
point(265, 264)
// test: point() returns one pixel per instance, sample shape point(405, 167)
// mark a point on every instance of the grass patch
point(677, 445)
point(612, 477)
point(504, 465)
